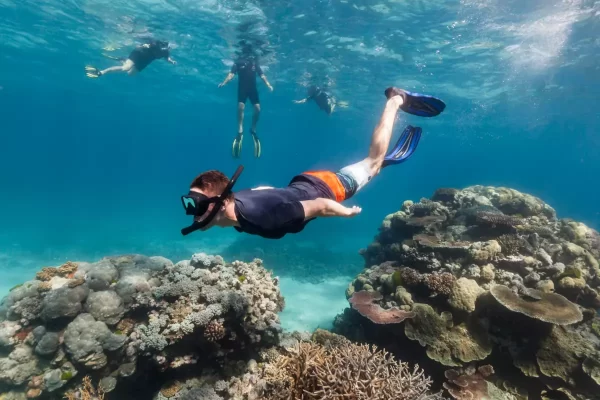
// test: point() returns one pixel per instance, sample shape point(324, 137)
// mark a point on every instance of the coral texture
point(492, 276)
point(94, 324)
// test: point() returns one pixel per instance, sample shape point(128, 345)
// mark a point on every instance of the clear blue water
point(95, 167)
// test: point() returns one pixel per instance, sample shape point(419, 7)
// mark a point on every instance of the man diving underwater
point(274, 212)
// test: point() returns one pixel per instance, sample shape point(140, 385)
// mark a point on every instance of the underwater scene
point(319, 199)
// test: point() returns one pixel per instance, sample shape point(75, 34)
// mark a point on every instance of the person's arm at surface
point(323, 207)
point(227, 79)
point(229, 76)
point(263, 77)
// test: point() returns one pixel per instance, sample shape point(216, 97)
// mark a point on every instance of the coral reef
point(313, 372)
point(93, 330)
point(492, 276)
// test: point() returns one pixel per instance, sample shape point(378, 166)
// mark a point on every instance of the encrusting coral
point(491, 275)
point(364, 303)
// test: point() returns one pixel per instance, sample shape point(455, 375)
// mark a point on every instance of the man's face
point(211, 206)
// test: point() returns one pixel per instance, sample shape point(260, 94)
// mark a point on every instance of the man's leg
point(362, 172)
point(112, 69)
point(255, 117)
point(127, 66)
point(241, 107)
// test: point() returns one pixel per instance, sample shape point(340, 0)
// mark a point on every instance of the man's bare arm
point(323, 207)
point(227, 79)
point(266, 81)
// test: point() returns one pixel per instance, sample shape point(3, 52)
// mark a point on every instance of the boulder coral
point(492, 276)
point(130, 317)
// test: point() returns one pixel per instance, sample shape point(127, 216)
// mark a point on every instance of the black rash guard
point(247, 70)
point(273, 213)
point(143, 56)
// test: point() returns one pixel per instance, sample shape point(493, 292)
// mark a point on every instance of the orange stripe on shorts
point(332, 180)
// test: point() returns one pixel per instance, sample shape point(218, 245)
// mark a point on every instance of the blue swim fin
point(404, 148)
point(417, 104)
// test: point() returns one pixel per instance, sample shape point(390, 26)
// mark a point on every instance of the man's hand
point(352, 211)
point(172, 61)
point(270, 87)
point(323, 207)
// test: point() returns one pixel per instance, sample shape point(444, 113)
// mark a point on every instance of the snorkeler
point(247, 68)
point(324, 100)
point(274, 212)
point(138, 59)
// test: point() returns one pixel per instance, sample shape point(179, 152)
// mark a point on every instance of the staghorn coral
point(310, 372)
point(550, 307)
point(363, 302)
point(86, 391)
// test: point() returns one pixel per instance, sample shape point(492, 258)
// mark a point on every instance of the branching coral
point(440, 283)
point(87, 391)
point(497, 220)
point(214, 331)
point(311, 372)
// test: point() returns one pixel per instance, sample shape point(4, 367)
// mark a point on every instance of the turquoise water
point(90, 168)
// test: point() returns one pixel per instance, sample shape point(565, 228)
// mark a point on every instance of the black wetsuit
point(143, 56)
point(247, 70)
point(273, 213)
point(322, 99)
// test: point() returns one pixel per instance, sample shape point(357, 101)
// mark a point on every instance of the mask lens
point(195, 205)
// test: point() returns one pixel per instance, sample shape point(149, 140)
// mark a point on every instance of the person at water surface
point(138, 59)
point(274, 212)
point(247, 68)
point(322, 99)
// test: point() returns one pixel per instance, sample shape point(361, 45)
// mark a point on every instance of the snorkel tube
point(218, 204)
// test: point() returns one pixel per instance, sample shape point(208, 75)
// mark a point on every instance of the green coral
point(15, 287)
point(596, 328)
point(242, 278)
point(397, 279)
point(65, 376)
point(447, 344)
point(561, 353)
point(571, 272)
